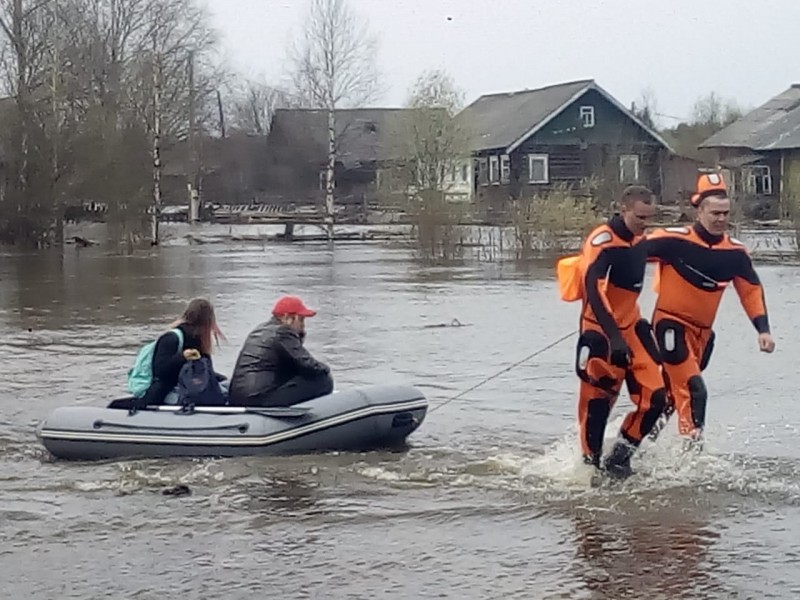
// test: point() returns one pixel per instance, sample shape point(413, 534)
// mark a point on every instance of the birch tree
point(157, 69)
point(334, 66)
point(177, 94)
point(23, 28)
point(96, 88)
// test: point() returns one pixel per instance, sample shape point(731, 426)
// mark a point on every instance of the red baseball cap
point(291, 305)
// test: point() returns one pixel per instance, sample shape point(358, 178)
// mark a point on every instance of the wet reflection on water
point(619, 555)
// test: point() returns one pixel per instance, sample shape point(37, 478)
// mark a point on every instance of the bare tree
point(646, 108)
point(12, 23)
point(55, 134)
point(252, 104)
point(82, 75)
point(435, 159)
point(30, 39)
point(715, 111)
point(435, 140)
point(332, 67)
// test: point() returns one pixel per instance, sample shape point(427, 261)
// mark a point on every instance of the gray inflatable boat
point(358, 419)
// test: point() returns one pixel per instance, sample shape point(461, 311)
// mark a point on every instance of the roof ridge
point(381, 109)
point(768, 126)
point(586, 82)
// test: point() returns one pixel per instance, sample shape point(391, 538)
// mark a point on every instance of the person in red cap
point(694, 267)
point(273, 367)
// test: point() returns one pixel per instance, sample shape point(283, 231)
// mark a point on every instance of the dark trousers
point(296, 390)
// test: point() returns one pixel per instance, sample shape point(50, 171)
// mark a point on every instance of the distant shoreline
point(768, 242)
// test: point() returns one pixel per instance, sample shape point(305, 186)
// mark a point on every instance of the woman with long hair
point(198, 324)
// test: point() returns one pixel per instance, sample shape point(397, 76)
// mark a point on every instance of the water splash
point(557, 472)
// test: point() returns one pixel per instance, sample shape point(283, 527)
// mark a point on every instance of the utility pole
point(221, 114)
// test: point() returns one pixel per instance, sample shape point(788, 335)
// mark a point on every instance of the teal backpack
point(140, 376)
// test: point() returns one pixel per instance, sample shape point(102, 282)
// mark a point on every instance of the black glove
point(620, 355)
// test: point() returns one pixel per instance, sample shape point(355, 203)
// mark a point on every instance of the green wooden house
point(576, 133)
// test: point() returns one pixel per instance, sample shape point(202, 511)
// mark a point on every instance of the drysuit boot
point(694, 442)
point(618, 462)
point(593, 460)
point(597, 473)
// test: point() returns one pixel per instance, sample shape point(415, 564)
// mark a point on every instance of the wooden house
point(368, 144)
point(526, 142)
point(761, 154)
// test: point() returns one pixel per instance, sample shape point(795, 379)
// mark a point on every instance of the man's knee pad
point(699, 396)
point(592, 344)
point(671, 338)
point(646, 336)
point(658, 401)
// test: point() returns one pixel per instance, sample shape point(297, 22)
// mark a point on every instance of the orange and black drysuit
point(615, 343)
point(694, 268)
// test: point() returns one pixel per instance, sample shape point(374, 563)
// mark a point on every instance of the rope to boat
point(508, 368)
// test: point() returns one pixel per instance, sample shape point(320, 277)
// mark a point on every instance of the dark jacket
point(272, 354)
point(167, 363)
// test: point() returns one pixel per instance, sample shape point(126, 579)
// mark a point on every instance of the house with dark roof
point(528, 141)
point(369, 143)
point(231, 168)
point(760, 154)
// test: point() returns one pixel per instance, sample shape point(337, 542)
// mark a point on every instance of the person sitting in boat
point(199, 327)
point(273, 367)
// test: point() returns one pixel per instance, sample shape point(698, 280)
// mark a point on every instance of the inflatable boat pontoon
point(358, 419)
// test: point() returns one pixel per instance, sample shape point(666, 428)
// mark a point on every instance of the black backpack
point(198, 385)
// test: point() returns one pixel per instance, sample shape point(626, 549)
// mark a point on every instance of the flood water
point(489, 501)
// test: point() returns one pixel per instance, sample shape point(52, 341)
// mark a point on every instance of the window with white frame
point(538, 168)
point(629, 168)
point(759, 180)
point(464, 172)
point(494, 169)
point(587, 116)
point(505, 169)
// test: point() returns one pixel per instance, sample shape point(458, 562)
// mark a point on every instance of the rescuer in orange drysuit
point(695, 265)
point(616, 344)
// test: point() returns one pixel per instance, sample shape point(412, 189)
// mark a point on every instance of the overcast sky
point(681, 49)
